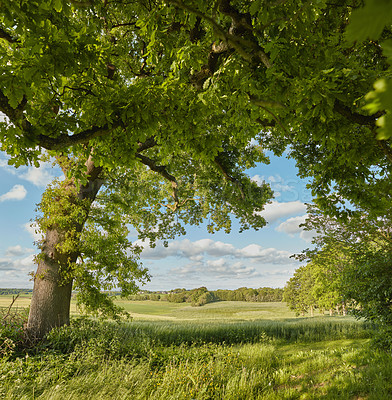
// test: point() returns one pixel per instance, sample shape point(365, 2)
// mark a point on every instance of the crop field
point(225, 350)
point(222, 310)
point(146, 310)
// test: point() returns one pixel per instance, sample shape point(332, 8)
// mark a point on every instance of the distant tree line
point(8, 292)
point(201, 296)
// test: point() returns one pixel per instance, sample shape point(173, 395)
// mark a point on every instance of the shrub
point(12, 321)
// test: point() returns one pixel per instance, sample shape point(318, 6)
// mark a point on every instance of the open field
point(146, 310)
point(24, 301)
point(225, 351)
point(222, 310)
point(163, 310)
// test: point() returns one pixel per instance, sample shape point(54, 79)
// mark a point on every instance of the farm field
point(146, 310)
point(224, 350)
point(234, 310)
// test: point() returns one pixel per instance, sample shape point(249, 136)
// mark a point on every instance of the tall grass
point(309, 358)
point(310, 330)
point(96, 360)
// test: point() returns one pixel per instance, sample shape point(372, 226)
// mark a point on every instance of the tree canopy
point(349, 268)
point(165, 104)
point(115, 76)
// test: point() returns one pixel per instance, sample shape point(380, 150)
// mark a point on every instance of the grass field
point(227, 351)
point(147, 310)
point(223, 310)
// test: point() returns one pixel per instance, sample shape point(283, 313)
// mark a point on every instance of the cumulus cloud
point(264, 255)
point(24, 264)
point(292, 227)
point(275, 210)
point(40, 176)
point(18, 192)
point(277, 183)
point(17, 250)
point(258, 179)
point(200, 249)
point(218, 269)
point(188, 249)
point(307, 235)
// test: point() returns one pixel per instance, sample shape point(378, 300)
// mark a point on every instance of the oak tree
point(165, 104)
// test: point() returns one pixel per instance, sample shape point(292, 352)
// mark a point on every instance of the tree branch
point(5, 35)
point(209, 69)
point(161, 170)
point(277, 120)
point(386, 149)
point(367, 120)
point(266, 123)
point(17, 117)
point(265, 103)
point(245, 48)
point(240, 20)
point(229, 178)
point(65, 141)
point(148, 144)
point(14, 298)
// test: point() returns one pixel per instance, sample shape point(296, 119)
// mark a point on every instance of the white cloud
point(292, 227)
point(258, 179)
point(278, 184)
point(197, 251)
point(25, 264)
point(307, 235)
point(275, 210)
point(186, 248)
point(18, 192)
point(17, 250)
point(265, 255)
point(33, 229)
point(40, 176)
point(217, 269)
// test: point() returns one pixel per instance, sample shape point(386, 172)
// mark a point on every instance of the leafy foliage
point(350, 264)
point(372, 22)
point(171, 97)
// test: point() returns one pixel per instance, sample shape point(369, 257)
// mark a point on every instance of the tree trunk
point(311, 311)
point(50, 303)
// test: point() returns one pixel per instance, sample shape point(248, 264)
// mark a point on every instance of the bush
point(12, 323)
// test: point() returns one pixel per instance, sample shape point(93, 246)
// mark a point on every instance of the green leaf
point(369, 21)
point(387, 49)
point(380, 99)
point(58, 5)
point(255, 7)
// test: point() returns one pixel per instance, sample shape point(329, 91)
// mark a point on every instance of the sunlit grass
point(152, 310)
point(331, 370)
point(223, 357)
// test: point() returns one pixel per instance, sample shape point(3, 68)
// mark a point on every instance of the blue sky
point(227, 261)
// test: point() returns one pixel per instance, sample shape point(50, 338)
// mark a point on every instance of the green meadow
point(223, 350)
point(233, 310)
